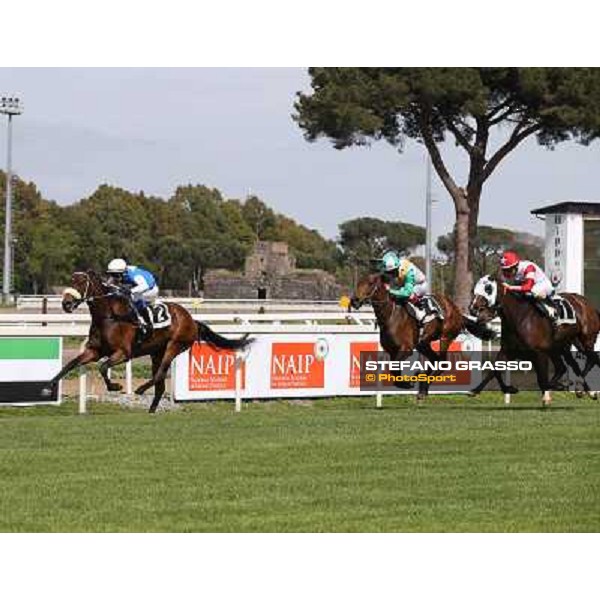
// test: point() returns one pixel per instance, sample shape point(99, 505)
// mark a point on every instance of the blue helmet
point(390, 261)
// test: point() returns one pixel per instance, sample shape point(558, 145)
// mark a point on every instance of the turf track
point(454, 464)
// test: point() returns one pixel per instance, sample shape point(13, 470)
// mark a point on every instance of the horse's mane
point(96, 279)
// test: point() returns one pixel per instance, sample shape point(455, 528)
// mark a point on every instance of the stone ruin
point(270, 273)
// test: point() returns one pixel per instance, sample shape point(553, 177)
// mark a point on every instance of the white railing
point(77, 325)
point(61, 324)
point(53, 303)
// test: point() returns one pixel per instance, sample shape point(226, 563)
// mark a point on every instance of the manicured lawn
point(454, 464)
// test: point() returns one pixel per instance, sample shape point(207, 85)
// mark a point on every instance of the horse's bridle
point(496, 307)
point(79, 297)
point(374, 303)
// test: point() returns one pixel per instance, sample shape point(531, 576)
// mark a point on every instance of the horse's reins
point(81, 298)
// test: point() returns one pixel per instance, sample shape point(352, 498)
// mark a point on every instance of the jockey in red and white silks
point(525, 277)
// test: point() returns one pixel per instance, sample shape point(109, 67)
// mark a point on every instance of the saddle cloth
point(565, 311)
point(161, 317)
point(427, 311)
point(559, 310)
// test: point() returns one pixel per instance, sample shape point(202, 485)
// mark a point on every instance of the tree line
point(196, 229)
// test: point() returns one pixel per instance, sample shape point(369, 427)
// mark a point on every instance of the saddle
point(427, 310)
point(558, 309)
point(156, 316)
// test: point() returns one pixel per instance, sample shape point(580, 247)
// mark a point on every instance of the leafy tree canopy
point(354, 106)
point(365, 238)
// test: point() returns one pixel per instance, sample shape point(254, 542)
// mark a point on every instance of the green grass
point(454, 464)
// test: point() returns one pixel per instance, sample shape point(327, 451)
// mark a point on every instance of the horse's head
point(84, 286)
point(366, 290)
point(485, 299)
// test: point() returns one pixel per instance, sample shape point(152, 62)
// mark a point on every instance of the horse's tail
point(205, 333)
point(480, 330)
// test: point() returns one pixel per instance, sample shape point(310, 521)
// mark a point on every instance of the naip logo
point(211, 369)
point(294, 365)
point(355, 349)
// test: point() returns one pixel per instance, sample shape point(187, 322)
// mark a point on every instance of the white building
point(572, 256)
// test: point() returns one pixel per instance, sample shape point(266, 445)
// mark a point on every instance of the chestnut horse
point(528, 333)
point(399, 331)
point(113, 334)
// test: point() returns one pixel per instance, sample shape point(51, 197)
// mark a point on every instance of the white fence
point(229, 324)
point(204, 305)
point(315, 323)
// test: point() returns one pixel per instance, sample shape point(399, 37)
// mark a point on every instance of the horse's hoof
point(594, 395)
point(511, 389)
point(139, 391)
point(114, 387)
point(473, 393)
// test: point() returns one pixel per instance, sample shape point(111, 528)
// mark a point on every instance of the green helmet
point(390, 261)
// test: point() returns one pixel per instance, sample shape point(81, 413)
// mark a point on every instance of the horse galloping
point(399, 331)
point(113, 334)
point(529, 333)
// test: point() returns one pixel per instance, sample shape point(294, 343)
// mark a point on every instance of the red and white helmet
point(509, 259)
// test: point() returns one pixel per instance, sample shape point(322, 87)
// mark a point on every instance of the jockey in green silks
point(406, 280)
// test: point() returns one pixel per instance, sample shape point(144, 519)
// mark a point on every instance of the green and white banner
point(26, 366)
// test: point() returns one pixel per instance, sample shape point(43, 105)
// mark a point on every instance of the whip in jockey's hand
point(138, 284)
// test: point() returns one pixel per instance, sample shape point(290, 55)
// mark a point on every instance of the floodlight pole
point(8, 106)
point(428, 203)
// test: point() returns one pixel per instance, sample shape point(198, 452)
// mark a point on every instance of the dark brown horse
point(399, 331)
point(113, 334)
point(526, 332)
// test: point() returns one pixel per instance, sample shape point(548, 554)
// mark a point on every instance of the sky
point(154, 129)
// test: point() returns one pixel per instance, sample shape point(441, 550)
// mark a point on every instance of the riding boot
point(552, 311)
point(141, 321)
point(147, 316)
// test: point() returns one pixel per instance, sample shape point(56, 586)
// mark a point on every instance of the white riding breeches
point(150, 295)
point(542, 289)
point(420, 289)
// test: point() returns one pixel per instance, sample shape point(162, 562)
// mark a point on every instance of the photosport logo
point(458, 371)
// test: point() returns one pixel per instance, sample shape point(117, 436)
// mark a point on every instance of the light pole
point(428, 203)
point(9, 105)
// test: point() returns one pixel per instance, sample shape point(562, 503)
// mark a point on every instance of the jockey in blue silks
point(141, 285)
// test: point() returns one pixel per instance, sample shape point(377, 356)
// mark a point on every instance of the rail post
point(82, 390)
point(507, 396)
point(237, 366)
point(128, 378)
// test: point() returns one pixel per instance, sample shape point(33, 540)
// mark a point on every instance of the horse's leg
point(171, 351)
point(591, 359)
point(87, 356)
point(400, 355)
point(540, 363)
point(559, 370)
point(571, 362)
point(118, 357)
point(432, 356)
point(497, 375)
point(159, 387)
